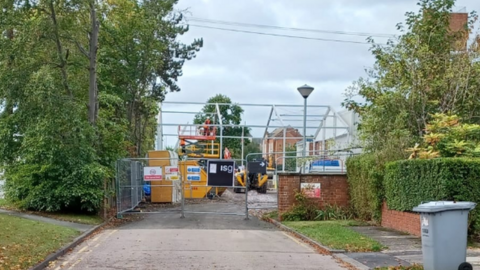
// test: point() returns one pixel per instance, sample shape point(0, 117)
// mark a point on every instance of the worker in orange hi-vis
point(227, 154)
point(206, 127)
point(182, 144)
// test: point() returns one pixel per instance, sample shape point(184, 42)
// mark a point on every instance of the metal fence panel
point(130, 181)
point(217, 200)
point(129, 184)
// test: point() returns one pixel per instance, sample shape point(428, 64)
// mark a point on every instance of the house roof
point(278, 132)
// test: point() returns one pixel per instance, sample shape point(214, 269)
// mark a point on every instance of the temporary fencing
point(140, 178)
point(202, 196)
point(184, 183)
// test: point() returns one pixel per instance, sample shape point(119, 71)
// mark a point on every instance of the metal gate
point(132, 189)
point(129, 182)
point(261, 197)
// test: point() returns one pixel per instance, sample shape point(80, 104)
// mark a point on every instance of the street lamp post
point(305, 91)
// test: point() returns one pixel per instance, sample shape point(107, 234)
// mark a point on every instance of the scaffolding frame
point(282, 118)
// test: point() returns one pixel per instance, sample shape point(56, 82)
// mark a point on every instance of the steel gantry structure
point(321, 129)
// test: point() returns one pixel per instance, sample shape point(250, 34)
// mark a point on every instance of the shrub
point(446, 136)
point(304, 209)
point(55, 165)
point(308, 209)
point(365, 176)
point(334, 212)
point(411, 182)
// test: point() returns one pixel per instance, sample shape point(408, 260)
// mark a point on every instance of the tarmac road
point(198, 241)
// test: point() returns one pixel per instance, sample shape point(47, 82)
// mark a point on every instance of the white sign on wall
point(152, 173)
point(171, 169)
point(171, 173)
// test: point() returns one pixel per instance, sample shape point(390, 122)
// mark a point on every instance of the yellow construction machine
point(253, 180)
point(270, 168)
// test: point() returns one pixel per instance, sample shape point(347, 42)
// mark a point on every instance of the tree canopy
point(80, 83)
point(428, 69)
point(231, 115)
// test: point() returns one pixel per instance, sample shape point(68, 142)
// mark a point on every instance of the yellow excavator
point(253, 181)
point(270, 167)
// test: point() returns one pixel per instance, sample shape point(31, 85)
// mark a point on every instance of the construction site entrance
point(163, 184)
point(210, 170)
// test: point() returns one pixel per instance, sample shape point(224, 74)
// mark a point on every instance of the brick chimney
point(458, 21)
point(458, 27)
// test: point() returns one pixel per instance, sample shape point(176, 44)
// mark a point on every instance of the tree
point(290, 160)
point(252, 148)
point(92, 58)
point(141, 60)
point(231, 115)
point(79, 90)
point(427, 70)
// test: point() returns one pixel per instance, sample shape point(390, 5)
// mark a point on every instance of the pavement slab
point(377, 259)
point(403, 249)
point(394, 240)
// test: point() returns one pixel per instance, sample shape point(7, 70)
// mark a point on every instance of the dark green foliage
point(231, 114)
point(307, 209)
point(54, 157)
point(57, 166)
point(290, 160)
point(303, 210)
point(252, 148)
point(411, 182)
point(365, 176)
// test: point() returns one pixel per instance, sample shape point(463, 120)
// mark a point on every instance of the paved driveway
point(199, 241)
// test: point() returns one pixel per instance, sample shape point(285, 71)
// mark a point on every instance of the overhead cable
point(281, 35)
point(365, 34)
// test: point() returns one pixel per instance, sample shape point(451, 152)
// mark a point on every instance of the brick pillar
point(288, 183)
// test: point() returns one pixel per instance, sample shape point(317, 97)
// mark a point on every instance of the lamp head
point(305, 90)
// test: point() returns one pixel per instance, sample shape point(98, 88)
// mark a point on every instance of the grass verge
point(5, 204)
point(71, 217)
point(336, 235)
point(24, 242)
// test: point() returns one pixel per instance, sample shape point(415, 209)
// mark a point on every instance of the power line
point(281, 35)
point(195, 19)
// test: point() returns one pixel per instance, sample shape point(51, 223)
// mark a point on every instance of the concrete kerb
point(336, 253)
point(62, 251)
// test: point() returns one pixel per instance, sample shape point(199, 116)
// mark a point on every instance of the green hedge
point(365, 176)
point(411, 182)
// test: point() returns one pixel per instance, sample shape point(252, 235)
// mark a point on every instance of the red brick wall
point(458, 21)
point(401, 221)
point(333, 189)
point(278, 143)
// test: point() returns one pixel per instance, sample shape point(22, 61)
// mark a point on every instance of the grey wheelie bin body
point(444, 226)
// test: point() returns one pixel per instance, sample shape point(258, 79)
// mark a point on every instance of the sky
point(263, 69)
